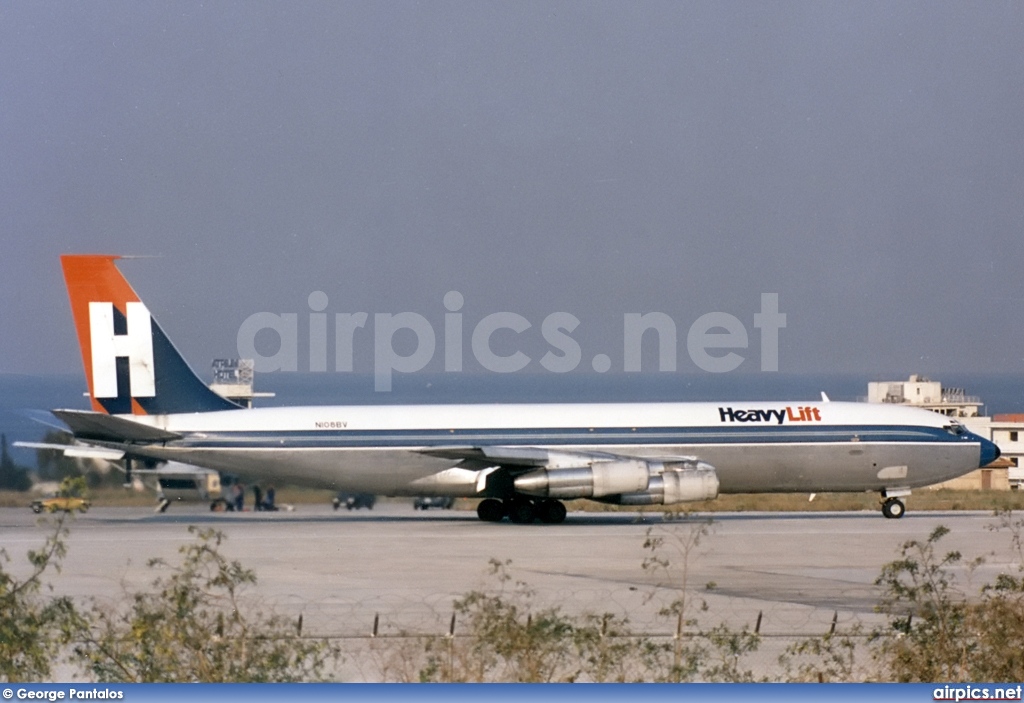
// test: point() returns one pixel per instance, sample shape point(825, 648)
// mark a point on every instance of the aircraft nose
point(989, 452)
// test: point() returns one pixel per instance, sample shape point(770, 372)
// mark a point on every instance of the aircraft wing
point(76, 451)
point(524, 458)
point(84, 450)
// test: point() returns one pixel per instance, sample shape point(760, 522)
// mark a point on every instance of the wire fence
point(406, 644)
point(400, 646)
point(775, 657)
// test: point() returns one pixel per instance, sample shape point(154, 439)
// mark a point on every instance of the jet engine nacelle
point(693, 483)
point(601, 478)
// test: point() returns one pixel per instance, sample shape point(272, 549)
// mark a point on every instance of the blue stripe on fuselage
point(573, 436)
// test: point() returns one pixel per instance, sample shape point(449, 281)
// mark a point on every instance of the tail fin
point(130, 364)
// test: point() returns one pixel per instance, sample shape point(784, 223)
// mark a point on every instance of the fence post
point(451, 648)
point(678, 658)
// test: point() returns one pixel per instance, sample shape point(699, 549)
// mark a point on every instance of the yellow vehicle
point(55, 503)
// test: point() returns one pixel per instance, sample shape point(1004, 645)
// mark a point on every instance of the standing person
point(239, 497)
point(257, 497)
point(268, 504)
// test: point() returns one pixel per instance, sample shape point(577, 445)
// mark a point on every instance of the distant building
point(1007, 431)
point(922, 392)
point(233, 379)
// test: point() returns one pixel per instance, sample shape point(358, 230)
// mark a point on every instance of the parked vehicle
point(354, 501)
point(427, 502)
point(55, 503)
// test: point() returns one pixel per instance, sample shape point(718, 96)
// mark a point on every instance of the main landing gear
point(893, 508)
point(521, 510)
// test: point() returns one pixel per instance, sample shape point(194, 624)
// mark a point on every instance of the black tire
point(491, 510)
point(893, 508)
point(522, 512)
point(551, 512)
point(897, 509)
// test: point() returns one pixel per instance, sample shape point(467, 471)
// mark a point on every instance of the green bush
point(35, 628)
point(936, 631)
point(196, 625)
point(936, 628)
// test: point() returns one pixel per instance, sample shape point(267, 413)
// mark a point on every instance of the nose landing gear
point(893, 508)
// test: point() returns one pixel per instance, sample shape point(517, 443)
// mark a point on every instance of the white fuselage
point(414, 449)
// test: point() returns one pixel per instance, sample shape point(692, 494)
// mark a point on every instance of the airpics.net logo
point(714, 341)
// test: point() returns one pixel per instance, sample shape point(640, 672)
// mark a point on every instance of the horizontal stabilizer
point(43, 417)
point(110, 428)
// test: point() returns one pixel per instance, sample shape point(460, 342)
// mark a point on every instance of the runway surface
point(340, 569)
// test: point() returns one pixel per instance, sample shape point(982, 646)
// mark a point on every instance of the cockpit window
point(955, 429)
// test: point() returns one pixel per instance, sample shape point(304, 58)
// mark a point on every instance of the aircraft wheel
point(551, 512)
point(490, 510)
point(893, 508)
point(522, 512)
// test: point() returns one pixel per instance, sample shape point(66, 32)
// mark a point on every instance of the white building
point(1007, 431)
point(925, 393)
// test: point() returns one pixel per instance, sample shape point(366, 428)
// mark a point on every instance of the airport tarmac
point(341, 569)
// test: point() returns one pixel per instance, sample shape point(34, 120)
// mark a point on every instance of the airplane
point(521, 460)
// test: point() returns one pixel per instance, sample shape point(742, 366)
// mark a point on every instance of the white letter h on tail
point(137, 345)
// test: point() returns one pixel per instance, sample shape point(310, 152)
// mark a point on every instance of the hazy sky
point(863, 160)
